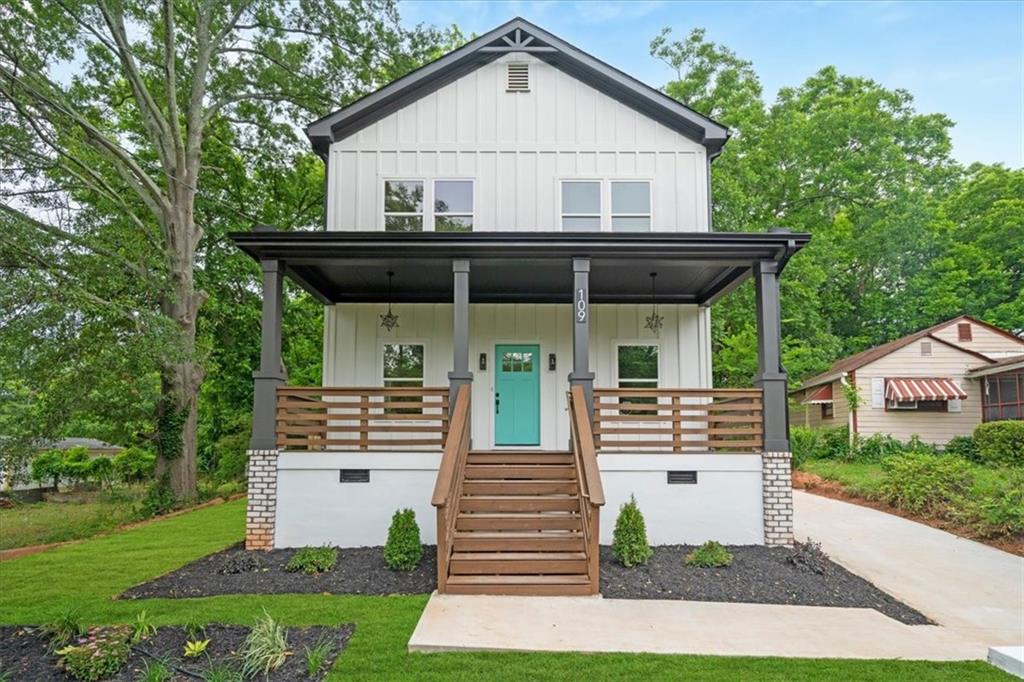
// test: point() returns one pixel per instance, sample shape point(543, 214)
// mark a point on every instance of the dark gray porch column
point(271, 373)
point(460, 374)
point(581, 374)
point(770, 376)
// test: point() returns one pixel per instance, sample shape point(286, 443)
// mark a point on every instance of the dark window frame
point(828, 411)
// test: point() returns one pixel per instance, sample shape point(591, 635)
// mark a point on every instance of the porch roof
point(692, 267)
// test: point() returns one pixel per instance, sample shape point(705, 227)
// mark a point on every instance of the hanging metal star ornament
point(654, 320)
point(389, 320)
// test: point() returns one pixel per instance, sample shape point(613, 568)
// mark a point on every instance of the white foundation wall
point(724, 505)
point(315, 508)
point(354, 340)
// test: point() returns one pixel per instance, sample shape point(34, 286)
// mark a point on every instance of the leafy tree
point(48, 466)
point(76, 464)
point(116, 116)
point(134, 465)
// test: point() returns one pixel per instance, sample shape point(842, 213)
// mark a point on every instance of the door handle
point(497, 403)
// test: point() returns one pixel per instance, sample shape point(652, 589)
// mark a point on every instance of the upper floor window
point(403, 205)
point(631, 206)
point(581, 205)
point(453, 205)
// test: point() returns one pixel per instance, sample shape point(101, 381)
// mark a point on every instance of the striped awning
point(821, 396)
point(917, 388)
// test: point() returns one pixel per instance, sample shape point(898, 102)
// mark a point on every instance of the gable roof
point(852, 362)
point(517, 35)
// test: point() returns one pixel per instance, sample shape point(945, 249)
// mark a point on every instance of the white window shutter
point(955, 405)
point(877, 393)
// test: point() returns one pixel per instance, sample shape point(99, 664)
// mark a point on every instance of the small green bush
point(76, 464)
point(999, 511)
point(962, 446)
point(226, 490)
point(159, 498)
point(403, 549)
point(1000, 443)
point(97, 655)
point(836, 443)
point(134, 465)
point(310, 560)
point(101, 471)
point(876, 448)
point(629, 540)
point(265, 648)
point(65, 628)
point(805, 444)
point(232, 456)
point(923, 483)
point(710, 555)
point(47, 467)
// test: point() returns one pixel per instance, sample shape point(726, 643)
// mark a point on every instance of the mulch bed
point(813, 483)
point(24, 655)
point(360, 570)
point(759, 575)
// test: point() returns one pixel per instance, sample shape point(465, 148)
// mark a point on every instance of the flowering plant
point(97, 654)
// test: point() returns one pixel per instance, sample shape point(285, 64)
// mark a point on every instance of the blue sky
point(964, 59)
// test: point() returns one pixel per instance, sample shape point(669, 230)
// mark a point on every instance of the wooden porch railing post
point(677, 425)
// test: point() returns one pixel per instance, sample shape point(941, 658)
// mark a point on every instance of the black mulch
point(760, 575)
point(360, 570)
point(24, 655)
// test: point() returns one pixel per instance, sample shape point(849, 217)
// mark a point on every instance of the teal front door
point(517, 394)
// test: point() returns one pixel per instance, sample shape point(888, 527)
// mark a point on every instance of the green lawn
point(864, 478)
point(37, 588)
point(41, 523)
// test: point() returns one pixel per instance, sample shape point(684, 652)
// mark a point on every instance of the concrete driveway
point(975, 590)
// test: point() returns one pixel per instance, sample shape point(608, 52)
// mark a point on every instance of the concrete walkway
point(591, 624)
point(974, 590)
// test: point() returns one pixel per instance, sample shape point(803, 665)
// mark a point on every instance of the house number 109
point(581, 305)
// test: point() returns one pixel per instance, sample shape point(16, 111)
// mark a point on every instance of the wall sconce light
point(552, 362)
point(483, 361)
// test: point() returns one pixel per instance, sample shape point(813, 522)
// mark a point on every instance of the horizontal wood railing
point(448, 486)
point(678, 420)
point(589, 477)
point(361, 418)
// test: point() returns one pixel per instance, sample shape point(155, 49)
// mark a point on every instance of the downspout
point(711, 156)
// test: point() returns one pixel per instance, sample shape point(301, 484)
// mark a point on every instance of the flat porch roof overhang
point(514, 267)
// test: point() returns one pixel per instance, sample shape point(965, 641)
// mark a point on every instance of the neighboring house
point(22, 480)
point(517, 272)
point(937, 383)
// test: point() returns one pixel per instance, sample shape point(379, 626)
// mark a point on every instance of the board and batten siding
point(810, 415)
point(932, 427)
point(983, 340)
point(354, 342)
point(517, 147)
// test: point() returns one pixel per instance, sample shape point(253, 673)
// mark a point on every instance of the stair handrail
point(589, 476)
point(448, 487)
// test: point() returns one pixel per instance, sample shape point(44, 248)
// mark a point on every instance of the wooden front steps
point(518, 528)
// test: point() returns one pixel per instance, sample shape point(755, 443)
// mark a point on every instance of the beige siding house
point(925, 384)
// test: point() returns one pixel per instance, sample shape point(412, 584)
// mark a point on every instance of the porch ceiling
point(338, 267)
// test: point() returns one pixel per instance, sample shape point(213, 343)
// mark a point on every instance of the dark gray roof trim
point(520, 267)
point(518, 35)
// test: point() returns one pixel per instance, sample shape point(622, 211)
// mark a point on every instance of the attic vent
point(682, 477)
point(355, 476)
point(926, 348)
point(518, 77)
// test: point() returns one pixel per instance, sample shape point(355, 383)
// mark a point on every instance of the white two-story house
point(518, 270)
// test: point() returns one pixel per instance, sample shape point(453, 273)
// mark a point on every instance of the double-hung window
point(581, 205)
point(453, 205)
point(403, 368)
point(631, 206)
point(403, 205)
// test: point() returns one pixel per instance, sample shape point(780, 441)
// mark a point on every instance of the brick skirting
point(262, 506)
point(777, 488)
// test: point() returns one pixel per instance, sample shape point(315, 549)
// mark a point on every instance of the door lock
point(497, 403)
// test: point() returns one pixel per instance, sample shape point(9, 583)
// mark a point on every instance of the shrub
point(805, 444)
point(76, 464)
point(48, 466)
point(710, 555)
point(1000, 511)
point(97, 655)
point(317, 656)
point(101, 471)
point(924, 483)
point(194, 648)
point(1001, 442)
point(809, 556)
point(403, 549)
point(142, 628)
point(65, 628)
point(310, 560)
point(240, 563)
point(226, 490)
point(962, 446)
point(915, 444)
point(134, 465)
point(836, 443)
point(159, 498)
point(231, 456)
point(876, 448)
point(629, 540)
point(265, 648)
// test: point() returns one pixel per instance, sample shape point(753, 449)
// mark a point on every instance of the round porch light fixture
point(654, 320)
point(389, 320)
